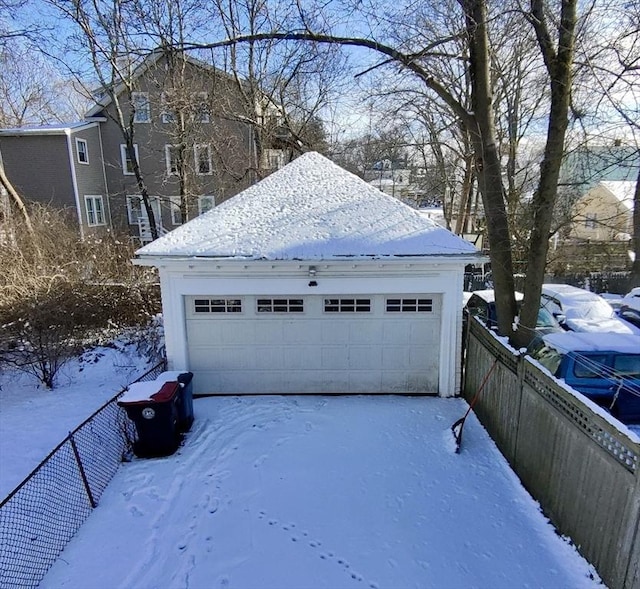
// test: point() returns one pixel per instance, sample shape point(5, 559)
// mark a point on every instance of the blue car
point(605, 367)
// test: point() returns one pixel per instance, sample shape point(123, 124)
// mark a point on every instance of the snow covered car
point(605, 367)
point(630, 315)
point(482, 304)
point(581, 310)
point(631, 299)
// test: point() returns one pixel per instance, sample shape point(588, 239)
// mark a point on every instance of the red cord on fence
point(456, 428)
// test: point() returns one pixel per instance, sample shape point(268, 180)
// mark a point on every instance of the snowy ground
point(34, 420)
point(312, 492)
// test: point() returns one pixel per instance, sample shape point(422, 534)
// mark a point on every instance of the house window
point(168, 115)
point(134, 209)
point(591, 220)
point(203, 159)
point(201, 107)
point(217, 305)
point(141, 108)
point(274, 159)
point(347, 305)
point(176, 216)
point(280, 306)
point(95, 210)
point(127, 162)
point(409, 305)
point(173, 159)
point(83, 151)
point(206, 203)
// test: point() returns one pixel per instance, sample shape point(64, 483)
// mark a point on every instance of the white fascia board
point(217, 265)
point(54, 130)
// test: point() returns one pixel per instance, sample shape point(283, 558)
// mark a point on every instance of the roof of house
point(310, 210)
point(103, 99)
point(622, 190)
point(57, 129)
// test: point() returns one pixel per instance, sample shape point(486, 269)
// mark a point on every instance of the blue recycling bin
point(185, 400)
point(153, 408)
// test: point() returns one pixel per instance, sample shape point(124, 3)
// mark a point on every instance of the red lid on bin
point(167, 392)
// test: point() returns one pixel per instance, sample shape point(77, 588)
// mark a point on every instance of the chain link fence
point(45, 511)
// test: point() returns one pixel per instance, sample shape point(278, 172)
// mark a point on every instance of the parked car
point(580, 310)
point(632, 299)
point(482, 304)
point(630, 315)
point(605, 367)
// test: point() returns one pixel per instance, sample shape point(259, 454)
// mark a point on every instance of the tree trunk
point(17, 200)
point(142, 187)
point(466, 198)
point(634, 278)
point(559, 67)
point(488, 165)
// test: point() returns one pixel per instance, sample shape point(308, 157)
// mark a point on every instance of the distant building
point(193, 140)
point(60, 165)
point(605, 212)
point(584, 167)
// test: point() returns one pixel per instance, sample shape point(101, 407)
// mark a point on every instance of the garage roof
point(309, 210)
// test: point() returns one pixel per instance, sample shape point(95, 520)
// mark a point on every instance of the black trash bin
point(185, 402)
point(153, 408)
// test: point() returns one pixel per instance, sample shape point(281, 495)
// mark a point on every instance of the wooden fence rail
point(584, 471)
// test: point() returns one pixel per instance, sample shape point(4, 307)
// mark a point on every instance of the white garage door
point(314, 344)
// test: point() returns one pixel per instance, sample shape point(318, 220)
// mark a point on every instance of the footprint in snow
point(260, 461)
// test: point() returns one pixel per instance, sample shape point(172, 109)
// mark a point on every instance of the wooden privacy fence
point(583, 471)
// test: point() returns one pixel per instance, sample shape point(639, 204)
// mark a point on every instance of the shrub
point(58, 292)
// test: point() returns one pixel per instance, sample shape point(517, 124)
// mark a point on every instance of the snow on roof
point(569, 341)
point(309, 210)
point(623, 190)
point(57, 129)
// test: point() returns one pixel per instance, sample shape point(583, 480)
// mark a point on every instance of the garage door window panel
point(205, 306)
point(280, 306)
point(409, 305)
point(337, 305)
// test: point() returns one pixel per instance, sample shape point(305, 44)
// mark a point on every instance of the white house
point(313, 281)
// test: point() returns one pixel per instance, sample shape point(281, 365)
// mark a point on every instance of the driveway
point(313, 492)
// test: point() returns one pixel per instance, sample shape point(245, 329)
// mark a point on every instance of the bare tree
point(283, 87)
point(32, 92)
point(556, 41)
point(104, 31)
point(613, 67)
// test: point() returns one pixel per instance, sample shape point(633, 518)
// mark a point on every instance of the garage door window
point(347, 305)
point(217, 305)
point(409, 305)
point(280, 305)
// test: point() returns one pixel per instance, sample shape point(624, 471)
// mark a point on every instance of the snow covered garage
point(313, 281)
